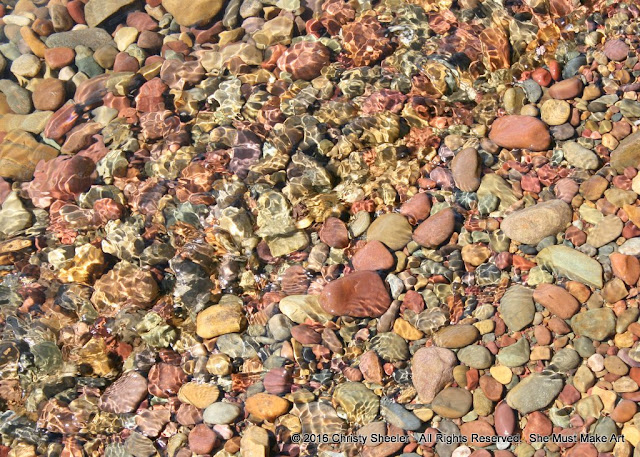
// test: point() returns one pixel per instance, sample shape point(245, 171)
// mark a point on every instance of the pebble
point(531, 225)
point(266, 406)
point(20, 153)
point(456, 336)
point(397, 415)
point(514, 355)
point(605, 231)
point(475, 356)
point(373, 256)
point(334, 233)
point(557, 300)
point(92, 38)
point(360, 404)
point(625, 267)
point(436, 229)
point(221, 319)
point(359, 294)
point(49, 95)
point(597, 324)
point(579, 156)
point(567, 89)
point(517, 308)
point(466, 169)
point(555, 112)
point(432, 370)
point(57, 58)
point(534, 392)
point(452, 402)
point(26, 65)
point(627, 153)
point(616, 50)
point(98, 11)
point(572, 264)
point(221, 413)
point(199, 12)
point(391, 229)
point(198, 395)
point(520, 132)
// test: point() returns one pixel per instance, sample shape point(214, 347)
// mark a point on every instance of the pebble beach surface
point(281, 228)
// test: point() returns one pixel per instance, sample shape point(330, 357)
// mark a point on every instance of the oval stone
point(557, 300)
point(431, 370)
point(392, 229)
point(456, 336)
point(436, 229)
point(520, 132)
point(359, 294)
point(452, 402)
point(532, 224)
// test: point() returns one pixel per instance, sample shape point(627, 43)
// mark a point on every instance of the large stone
point(197, 12)
point(392, 229)
point(20, 153)
point(573, 264)
point(579, 156)
point(532, 224)
point(432, 370)
point(536, 391)
point(520, 132)
point(627, 154)
point(452, 402)
point(557, 300)
point(605, 231)
point(597, 324)
point(217, 320)
point(466, 168)
point(456, 336)
point(92, 38)
point(517, 308)
point(436, 229)
point(359, 294)
point(97, 11)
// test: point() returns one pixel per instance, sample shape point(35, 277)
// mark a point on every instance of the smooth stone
point(98, 11)
point(562, 132)
point(373, 256)
point(630, 247)
point(198, 394)
point(392, 229)
point(580, 157)
point(417, 208)
point(359, 403)
point(573, 264)
point(627, 154)
point(299, 308)
point(555, 112)
point(505, 419)
point(26, 65)
point(616, 50)
point(557, 300)
point(474, 429)
point(456, 336)
point(514, 355)
point(436, 229)
point(520, 132)
point(625, 267)
point(220, 319)
point(567, 89)
point(13, 216)
point(199, 12)
point(359, 294)
point(475, 356)
point(452, 402)
point(629, 108)
point(432, 370)
point(92, 38)
point(466, 170)
point(334, 233)
point(20, 153)
point(399, 416)
point(266, 406)
point(565, 360)
point(32, 123)
point(18, 98)
point(605, 231)
point(517, 308)
point(49, 95)
point(597, 324)
point(534, 392)
point(125, 394)
point(531, 225)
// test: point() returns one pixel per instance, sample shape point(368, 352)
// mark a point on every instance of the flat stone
point(432, 369)
point(627, 154)
point(92, 38)
point(475, 356)
point(218, 320)
point(573, 264)
point(221, 413)
point(515, 355)
point(625, 267)
point(452, 402)
point(616, 50)
point(466, 170)
point(520, 132)
point(359, 403)
point(49, 95)
point(597, 324)
point(456, 336)
point(299, 308)
point(535, 392)
point(555, 112)
point(98, 11)
point(359, 294)
point(199, 12)
point(391, 229)
point(198, 394)
point(373, 256)
point(266, 406)
point(557, 300)
point(517, 308)
point(436, 229)
point(20, 153)
point(532, 224)
point(567, 89)
point(605, 231)
point(580, 157)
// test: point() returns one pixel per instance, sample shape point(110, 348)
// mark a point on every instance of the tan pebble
point(540, 353)
point(631, 434)
point(220, 319)
point(475, 254)
point(32, 40)
point(624, 340)
point(198, 395)
point(406, 330)
point(607, 397)
point(219, 364)
point(485, 326)
point(424, 414)
point(555, 112)
point(501, 374)
point(266, 406)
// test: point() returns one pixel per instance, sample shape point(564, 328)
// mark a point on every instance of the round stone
point(49, 95)
point(555, 112)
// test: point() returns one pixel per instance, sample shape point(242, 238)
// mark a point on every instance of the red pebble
point(541, 76)
point(76, 11)
point(554, 69)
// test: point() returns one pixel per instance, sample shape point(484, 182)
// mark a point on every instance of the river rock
point(535, 392)
point(517, 308)
point(475, 356)
point(567, 89)
point(92, 38)
point(221, 413)
point(452, 402)
point(98, 11)
point(392, 229)
point(557, 300)
point(555, 112)
point(199, 12)
point(520, 132)
point(456, 336)
point(373, 256)
point(625, 267)
point(627, 154)
point(436, 229)
point(20, 153)
point(579, 156)
point(515, 355)
point(359, 294)
point(573, 264)
point(432, 369)
point(266, 406)
point(466, 170)
point(359, 403)
point(597, 324)
point(218, 320)
point(532, 224)
point(605, 231)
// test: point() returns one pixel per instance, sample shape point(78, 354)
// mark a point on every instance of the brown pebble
point(49, 95)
